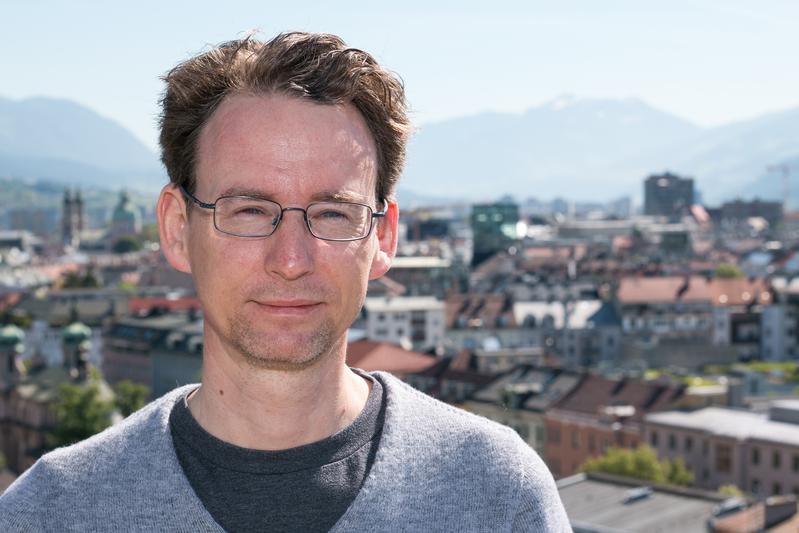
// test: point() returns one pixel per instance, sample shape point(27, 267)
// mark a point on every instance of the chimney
point(686, 284)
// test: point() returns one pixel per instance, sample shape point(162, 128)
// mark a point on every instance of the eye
point(250, 211)
point(332, 214)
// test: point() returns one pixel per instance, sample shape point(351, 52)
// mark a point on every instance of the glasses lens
point(339, 220)
point(246, 217)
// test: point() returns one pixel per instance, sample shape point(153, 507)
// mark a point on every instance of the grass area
point(691, 381)
point(789, 371)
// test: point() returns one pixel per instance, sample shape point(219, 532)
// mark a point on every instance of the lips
point(288, 303)
point(288, 307)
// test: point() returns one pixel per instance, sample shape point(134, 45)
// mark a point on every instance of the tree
point(74, 280)
point(17, 317)
point(149, 232)
point(130, 397)
point(640, 463)
point(728, 271)
point(80, 412)
point(730, 491)
point(677, 473)
point(126, 244)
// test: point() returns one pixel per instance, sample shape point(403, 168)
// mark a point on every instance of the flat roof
point(419, 262)
point(404, 303)
point(598, 504)
point(579, 312)
point(731, 423)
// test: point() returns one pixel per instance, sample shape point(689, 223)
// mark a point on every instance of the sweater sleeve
point(539, 505)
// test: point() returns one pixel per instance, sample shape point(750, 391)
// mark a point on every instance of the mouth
point(288, 307)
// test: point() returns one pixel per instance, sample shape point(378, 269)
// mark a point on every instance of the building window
point(653, 439)
point(591, 443)
point(796, 463)
point(672, 441)
point(755, 456)
point(777, 489)
point(689, 444)
point(705, 474)
point(755, 485)
point(575, 439)
point(705, 447)
point(776, 460)
point(723, 458)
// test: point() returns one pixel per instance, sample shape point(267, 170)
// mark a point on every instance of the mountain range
point(62, 141)
point(581, 149)
point(587, 149)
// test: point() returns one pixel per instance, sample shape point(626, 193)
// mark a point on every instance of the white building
point(413, 322)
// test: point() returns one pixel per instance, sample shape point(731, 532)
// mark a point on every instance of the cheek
point(219, 265)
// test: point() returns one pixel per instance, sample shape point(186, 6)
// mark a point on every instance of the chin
point(284, 351)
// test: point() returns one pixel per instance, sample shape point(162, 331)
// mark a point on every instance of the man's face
point(284, 301)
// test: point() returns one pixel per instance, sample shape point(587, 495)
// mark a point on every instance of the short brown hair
point(316, 66)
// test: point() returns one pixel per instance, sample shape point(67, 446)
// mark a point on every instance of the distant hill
point(598, 149)
point(59, 140)
point(581, 149)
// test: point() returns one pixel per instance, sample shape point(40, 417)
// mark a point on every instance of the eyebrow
point(323, 196)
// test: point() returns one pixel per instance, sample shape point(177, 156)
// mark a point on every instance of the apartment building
point(413, 322)
point(757, 452)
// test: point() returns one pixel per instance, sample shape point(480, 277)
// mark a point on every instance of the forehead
point(284, 145)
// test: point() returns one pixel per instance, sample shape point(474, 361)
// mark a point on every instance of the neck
point(276, 410)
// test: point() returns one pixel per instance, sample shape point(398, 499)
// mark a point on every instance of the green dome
point(125, 210)
point(76, 333)
point(11, 335)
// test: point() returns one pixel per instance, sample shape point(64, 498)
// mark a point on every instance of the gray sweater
point(437, 468)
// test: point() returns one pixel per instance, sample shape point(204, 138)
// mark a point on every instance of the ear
point(173, 227)
point(387, 241)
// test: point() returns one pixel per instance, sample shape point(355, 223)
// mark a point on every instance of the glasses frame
point(372, 216)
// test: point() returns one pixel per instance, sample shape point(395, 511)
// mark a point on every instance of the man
point(283, 158)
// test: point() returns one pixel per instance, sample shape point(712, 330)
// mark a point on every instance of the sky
point(711, 62)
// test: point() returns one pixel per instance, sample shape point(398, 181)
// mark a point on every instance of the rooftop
point(371, 356)
point(403, 303)
point(579, 312)
point(733, 423)
point(693, 289)
point(602, 504)
point(419, 262)
point(595, 393)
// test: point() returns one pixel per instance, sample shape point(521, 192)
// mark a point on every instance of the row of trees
point(640, 463)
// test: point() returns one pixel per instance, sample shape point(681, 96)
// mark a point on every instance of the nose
point(290, 249)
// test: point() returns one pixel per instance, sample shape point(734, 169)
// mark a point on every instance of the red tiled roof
point(594, 393)
point(479, 310)
point(7, 301)
point(737, 291)
point(371, 356)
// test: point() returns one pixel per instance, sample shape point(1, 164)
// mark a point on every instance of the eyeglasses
point(245, 216)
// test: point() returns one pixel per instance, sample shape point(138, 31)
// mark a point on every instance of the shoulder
point(81, 471)
point(409, 407)
point(453, 446)
point(416, 421)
